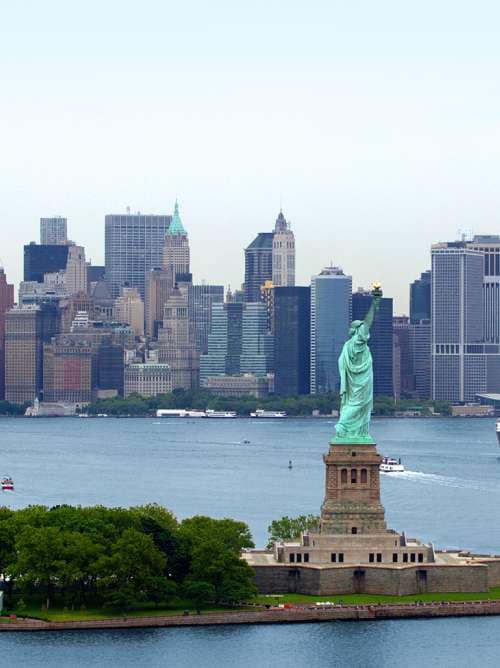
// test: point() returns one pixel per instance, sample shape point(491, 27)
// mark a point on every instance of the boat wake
point(435, 479)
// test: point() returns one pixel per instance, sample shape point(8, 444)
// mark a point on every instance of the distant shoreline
point(247, 417)
point(302, 614)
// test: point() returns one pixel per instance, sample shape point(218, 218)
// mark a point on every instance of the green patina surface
point(356, 380)
point(176, 226)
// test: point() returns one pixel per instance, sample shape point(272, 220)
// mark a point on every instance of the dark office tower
point(403, 373)
point(53, 230)
point(420, 298)
point(95, 274)
point(40, 260)
point(110, 366)
point(133, 246)
point(380, 343)
point(258, 265)
point(6, 303)
point(26, 330)
point(200, 300)
point(420, 353)
point(292, 340)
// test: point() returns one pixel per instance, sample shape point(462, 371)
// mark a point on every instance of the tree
point(290, 528)
point(199, 592)
point(38, 558)
point(129, 573)
point(230, 576)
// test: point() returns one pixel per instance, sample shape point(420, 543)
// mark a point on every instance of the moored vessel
point(391, 465)
point(220, 414)
point(260, 413)
point(179, 413)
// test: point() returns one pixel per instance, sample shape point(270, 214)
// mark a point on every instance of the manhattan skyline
point(376, 132)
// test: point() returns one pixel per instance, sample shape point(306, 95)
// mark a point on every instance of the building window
point(354, 476)
point(379, 558)
point(333, 557)
point(405, 558)
point(413, 557)
point(292, 557)
point(371, 557)
point(343, 475)
point(364, 475)
point(306, 557)
point(341, 557)
point(354, 530)
point(299, 557)
point(395, 557)
point(420, 558)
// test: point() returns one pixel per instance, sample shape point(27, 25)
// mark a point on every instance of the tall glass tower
point(331, 295)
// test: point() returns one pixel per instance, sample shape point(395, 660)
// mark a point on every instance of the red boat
point(7, 484)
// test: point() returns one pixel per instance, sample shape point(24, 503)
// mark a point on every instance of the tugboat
point(390, 465)
point(7, 484)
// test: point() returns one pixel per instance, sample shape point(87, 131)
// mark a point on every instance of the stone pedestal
point(352, 490)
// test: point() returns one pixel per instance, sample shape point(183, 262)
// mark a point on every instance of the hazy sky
point(377, 124)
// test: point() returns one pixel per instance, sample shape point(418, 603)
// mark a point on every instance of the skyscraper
point(176, 346)
point(257, 349)
point(176, 248)
point(158, 288)
point(420, 354)
point(401, 339)
point(420, 298)
point(489, 244)
point(26, 330)
point(239, 341)
point(129, 309)
point(258, 265)
point(200, 300)
point(53, 230)
point(292, 339)
point(133, 246)
point(380, 343)
point(462, 364)
point(283, 256)
point(41, 260)
point(331, 308)
point(6, 303)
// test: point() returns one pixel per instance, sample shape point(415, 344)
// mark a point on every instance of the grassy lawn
point(360, 599)
point(60, 614)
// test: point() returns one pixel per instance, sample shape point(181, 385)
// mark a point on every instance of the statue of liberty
point(356, 378)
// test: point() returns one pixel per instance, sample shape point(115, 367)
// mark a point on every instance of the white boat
point(260, 413)
point(220, 414)
point(7, 484)
point(498, 430)
point(390, 465)
point(179, 413)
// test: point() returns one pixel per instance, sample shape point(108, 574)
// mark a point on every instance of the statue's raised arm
point(356, 378)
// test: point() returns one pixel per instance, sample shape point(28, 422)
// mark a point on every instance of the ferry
point(498, 430)
point(219, 414)
point(260, 413)
point(390, 465)
point(7, 484)
point(179, 413)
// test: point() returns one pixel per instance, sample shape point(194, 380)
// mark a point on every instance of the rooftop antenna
point(128, 211)
point(465, 234)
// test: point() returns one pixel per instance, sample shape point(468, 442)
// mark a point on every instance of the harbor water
point(449, 494)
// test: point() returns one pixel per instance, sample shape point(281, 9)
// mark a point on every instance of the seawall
point(296, 614)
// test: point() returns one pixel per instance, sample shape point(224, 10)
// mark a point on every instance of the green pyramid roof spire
point(176, 227)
